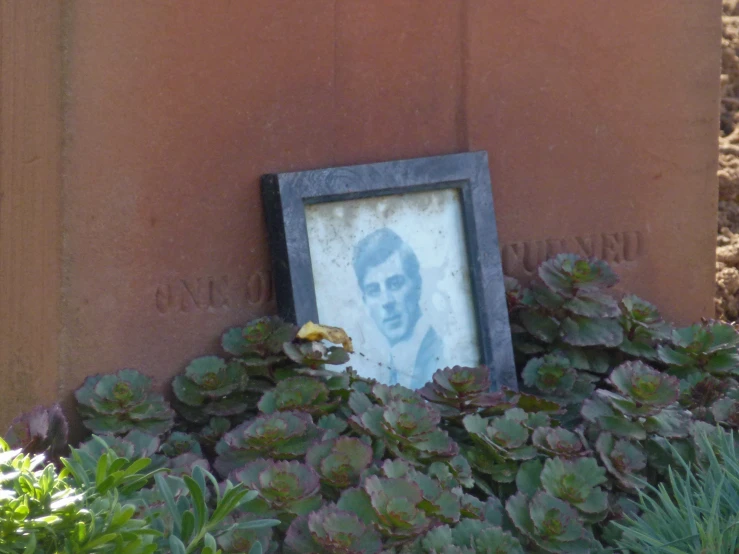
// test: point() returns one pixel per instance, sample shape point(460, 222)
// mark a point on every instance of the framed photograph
point(402, 255)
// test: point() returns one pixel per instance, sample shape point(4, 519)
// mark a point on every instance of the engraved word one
point(615, 248)
point(201, 294)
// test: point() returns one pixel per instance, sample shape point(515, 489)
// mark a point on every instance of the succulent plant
point(121, 402)
point(459, 391)
point(394, 507)
point(726, 412)
point(179, 443)
point(132, 446)
point(301, 393)
point(413, 472)
point(286, 488)
point(558, 442)
point(454, 472)
point(439, 501)
point(184, 464)
point(340, 461)
point(264, 353)
point(699, 391)
point(260, 339)
point(554, 377)
point(549, 523)
point(468, 536)
point(643, 391)
point(211, 386)
point(237, 540)
point(332, 531)
point(569, 274)
point(281, 435)
point(40, 430)
point(623, 459)
point(644, 402)
point(212, 432)
point(569, 313)
point(490, 511)
point(135, 444)
point(576, 482)
point(709, 347)
point(315, 354)
point(405, 424)
point(385, 394)
point(502, 443)
point(569, 304)
point(332, 425)
point(643, 328)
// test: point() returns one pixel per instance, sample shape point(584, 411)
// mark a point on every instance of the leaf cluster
point(696, 509)
point(327, 461)
point(121, 402)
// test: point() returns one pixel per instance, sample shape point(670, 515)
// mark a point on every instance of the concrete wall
point(600, 120)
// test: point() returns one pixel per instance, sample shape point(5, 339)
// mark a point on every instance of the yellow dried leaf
point(315, 332)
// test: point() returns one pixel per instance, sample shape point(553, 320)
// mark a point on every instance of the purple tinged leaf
point(623, 459)
point(592, 304)
point(543, 327)
point(332, 531)
point(645, 385)
point(591, 331)
point(570, 273)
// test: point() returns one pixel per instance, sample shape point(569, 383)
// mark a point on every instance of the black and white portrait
point(393, 272)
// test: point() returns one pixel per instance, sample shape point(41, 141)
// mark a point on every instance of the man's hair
point(377, 247)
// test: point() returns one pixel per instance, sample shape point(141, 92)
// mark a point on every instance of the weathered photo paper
point(393, 272)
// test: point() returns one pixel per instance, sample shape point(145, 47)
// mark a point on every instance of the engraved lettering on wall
point(525, 257)
point(214, 293)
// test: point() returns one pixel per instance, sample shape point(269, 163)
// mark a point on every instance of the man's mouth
point(392, 321)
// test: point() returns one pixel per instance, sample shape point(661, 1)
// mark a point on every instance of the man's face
point(392, 298)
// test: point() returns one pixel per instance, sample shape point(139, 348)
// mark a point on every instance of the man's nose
point(388, 299)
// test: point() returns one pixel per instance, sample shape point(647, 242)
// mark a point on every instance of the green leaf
point(102, 470)
point(186, 391)
point(570, 273)
point(258, 524)
point(210, 542)
point(198, 473)
point(593, 304)
point(723, 363)
point(31, 544)
point(234, 343)
point(671, 356)
point(201, 511)
point(357, 502)
point(591, 331)
point(670, 423)
point(122, 516)
point(104, 539)
point(176, 545)
point(228, 504)
point(169, 501)
point(543, 296)
point(543, 327)
point(528, 478)
point(188, 526)
point(137, 466)
point(622, 427)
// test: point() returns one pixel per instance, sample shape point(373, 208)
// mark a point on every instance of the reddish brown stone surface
point(599, 119)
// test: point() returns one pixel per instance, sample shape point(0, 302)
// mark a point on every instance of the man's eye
point(373, 289)
point(396, 282)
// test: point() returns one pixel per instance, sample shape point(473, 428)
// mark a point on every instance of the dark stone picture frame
point(285, 196)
